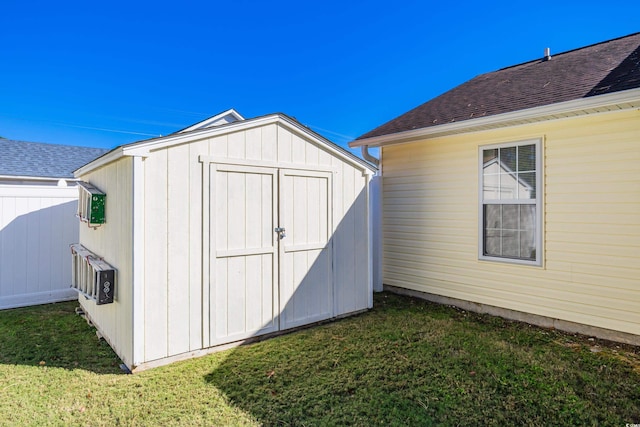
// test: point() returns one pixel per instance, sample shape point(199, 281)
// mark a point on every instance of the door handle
point(281, 232)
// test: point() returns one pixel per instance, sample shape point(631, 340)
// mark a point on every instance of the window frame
point(539, 232)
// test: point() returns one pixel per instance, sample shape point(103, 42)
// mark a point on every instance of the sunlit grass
point(407, 362)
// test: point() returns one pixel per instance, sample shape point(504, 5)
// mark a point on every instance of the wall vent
point(91, 276)
point(91, 204)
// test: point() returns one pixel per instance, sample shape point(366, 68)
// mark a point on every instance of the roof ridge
point(597, 69)
point(564, 53)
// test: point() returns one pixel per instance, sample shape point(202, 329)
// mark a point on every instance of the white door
point(306, 290)
point(243, 277)
point(262, 280)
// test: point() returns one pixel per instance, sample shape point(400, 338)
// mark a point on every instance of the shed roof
point(210, 129)
point(36, 159)
point(603, 68)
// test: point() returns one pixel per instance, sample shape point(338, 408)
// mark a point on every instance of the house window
point(510, 208)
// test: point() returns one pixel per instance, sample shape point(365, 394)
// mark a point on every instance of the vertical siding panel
point(124, 223)
point(220, 297)
point(237, 224)
point(253, 291)
point(195, 243)
point(324, 157)
point(113, 241)
point(253, 143)
point(219, 146)
point(312, 154)
point(237, 146)
point(270, 143)
point(178, 262)
point(298, 149)
point(253, 202)
point(284, 145)
point(236, 295)
point(156, 256)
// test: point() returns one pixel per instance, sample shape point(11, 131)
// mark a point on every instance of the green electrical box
point(91, 204)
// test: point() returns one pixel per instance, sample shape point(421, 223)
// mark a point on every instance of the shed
point(38, 202)
point(517, 193)
point(224, 231)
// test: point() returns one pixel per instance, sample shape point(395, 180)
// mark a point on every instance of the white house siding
point(113, 242)
point(173, 288)
point(37, 225)
point(591, 263)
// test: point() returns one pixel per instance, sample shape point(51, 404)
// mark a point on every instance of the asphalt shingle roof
point(603, 68)
point(35, 159)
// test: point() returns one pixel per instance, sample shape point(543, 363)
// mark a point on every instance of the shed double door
point(263, 279)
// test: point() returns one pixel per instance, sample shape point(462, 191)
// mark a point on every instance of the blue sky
point(104, 74)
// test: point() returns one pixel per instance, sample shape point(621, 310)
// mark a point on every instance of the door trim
point(285, 248)
point(209, 238)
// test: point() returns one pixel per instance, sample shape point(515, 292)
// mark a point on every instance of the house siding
point(591, 214)
point(113, 241)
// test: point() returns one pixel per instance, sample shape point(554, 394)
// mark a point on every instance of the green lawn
point(406, 362)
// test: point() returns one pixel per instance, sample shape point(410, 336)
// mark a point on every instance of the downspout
point(368, 157)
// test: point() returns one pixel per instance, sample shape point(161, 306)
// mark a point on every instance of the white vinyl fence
point(37, 225)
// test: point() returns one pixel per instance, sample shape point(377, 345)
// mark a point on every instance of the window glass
point(509, 186)
point(510, 203)
point(527, 185)
point(508, 156)
point(527, 158)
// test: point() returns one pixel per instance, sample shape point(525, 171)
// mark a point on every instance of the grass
point(406, 362)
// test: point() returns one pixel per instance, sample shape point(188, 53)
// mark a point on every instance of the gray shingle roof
point(35, 159)
point(598, 69)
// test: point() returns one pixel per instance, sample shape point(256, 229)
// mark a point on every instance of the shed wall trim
point(138, 213)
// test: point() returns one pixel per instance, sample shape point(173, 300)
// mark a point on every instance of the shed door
point(258, 282)
point(243, 300)
point(306, 291)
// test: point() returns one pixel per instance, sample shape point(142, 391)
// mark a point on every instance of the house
point(38, 202)
point(225, 231)
point(517, 193)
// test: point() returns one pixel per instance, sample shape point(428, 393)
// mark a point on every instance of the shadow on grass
point(53, 335)
point(408, 362)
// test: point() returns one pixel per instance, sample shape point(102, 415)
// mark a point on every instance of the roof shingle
point(598, 69)
point(35, 159)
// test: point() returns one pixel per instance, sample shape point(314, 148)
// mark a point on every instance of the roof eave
point(36, 178)
point(622, 100)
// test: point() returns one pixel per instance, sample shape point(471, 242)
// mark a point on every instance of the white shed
point(224, 231)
